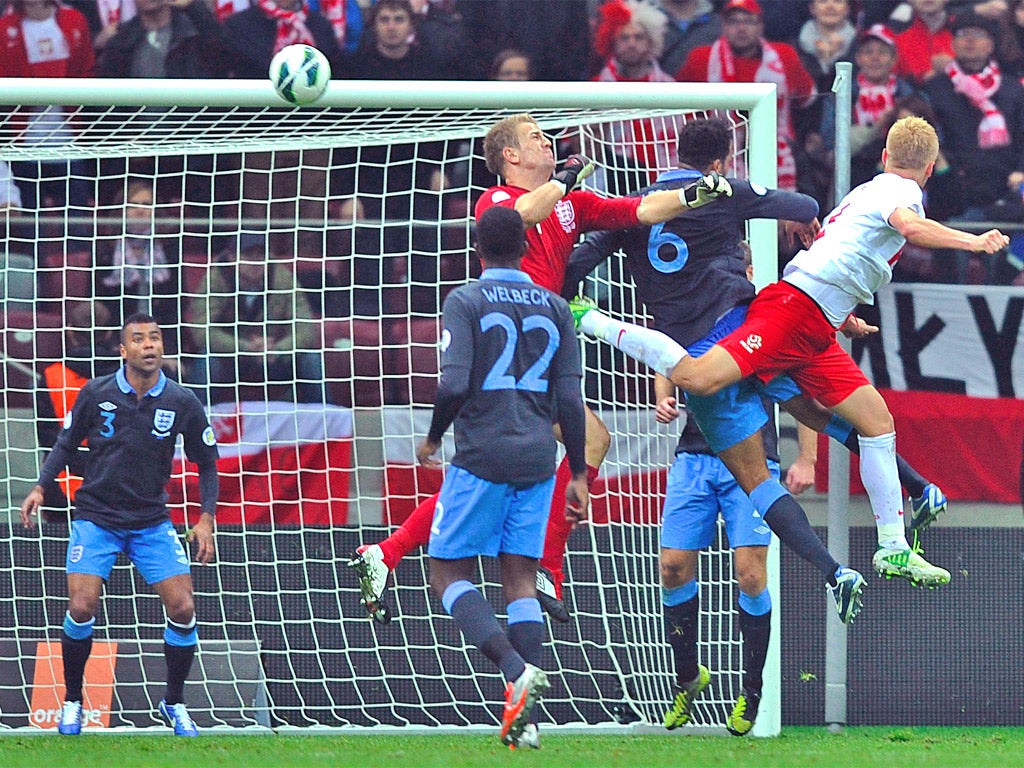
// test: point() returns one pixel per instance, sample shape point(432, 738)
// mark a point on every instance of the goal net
point(157, 198)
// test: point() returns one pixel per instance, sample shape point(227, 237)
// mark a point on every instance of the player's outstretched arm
point(927, 233)
point(668, 203)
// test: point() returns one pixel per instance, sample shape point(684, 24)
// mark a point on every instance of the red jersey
point(551, 241)
point(916, 46)
point(31, 55)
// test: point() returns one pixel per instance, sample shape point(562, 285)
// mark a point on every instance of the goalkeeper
point(556, 213)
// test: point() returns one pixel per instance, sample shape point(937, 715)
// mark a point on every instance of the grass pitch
point(883, 747)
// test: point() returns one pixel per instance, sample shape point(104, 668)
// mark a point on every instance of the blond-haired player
point(791, 328)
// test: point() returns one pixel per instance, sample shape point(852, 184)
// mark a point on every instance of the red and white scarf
point(978, 88)
point(334, 11)
point(291, 25)
point(873, 100)
point(722, 69)
point(651, 142)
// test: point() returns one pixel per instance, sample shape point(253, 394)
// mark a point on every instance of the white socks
point(652, 348)
point(882, 482)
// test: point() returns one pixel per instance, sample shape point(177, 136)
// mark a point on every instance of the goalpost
point(366, 197)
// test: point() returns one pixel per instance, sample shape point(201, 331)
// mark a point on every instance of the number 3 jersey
point(507, 342)
point(131, 448)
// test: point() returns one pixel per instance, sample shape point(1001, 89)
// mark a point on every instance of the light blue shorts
point(476, 517)
point(699, 488)
point(734, 413)
point(157, 552)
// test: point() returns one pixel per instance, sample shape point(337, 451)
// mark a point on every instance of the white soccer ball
point(300, 74)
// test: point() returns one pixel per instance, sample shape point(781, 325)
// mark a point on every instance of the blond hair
point(912, 144)
point(504, 133)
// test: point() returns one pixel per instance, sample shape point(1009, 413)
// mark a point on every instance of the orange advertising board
point(48, 685)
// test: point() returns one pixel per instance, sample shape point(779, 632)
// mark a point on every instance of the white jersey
point(852, 256)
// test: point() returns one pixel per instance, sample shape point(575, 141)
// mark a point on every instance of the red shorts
point(786, 333)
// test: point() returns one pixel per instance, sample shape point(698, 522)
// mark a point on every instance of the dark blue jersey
point(691, 270)
point(131, 448)
point(509, 357)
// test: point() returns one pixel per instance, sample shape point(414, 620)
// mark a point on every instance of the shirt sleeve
point(598, 212)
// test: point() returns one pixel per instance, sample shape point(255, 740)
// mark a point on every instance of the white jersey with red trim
point(853, 254)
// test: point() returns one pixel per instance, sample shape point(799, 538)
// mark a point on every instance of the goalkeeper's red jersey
point(552, 240)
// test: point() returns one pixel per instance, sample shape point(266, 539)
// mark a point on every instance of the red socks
point(558, 527)
point(413, 533)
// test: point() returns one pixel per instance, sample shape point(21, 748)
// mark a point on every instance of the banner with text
point(948, 361)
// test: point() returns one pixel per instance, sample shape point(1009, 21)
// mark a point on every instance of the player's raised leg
point(373, 563)
point(870, 416)
point(550, 574)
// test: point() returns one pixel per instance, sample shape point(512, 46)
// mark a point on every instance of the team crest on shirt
point(566, 215)
point(163, 420)
point(752, 343)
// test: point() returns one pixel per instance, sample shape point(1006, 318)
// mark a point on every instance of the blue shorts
point(157, 552)
point(734, 413)
point(699, 488)
point(476, 517)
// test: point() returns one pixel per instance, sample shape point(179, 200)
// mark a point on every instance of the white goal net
point(142, 198)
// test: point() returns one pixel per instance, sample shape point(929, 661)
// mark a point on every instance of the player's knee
point(752, 581)
point(674, 574)
point(181, 610)
point(82, 608)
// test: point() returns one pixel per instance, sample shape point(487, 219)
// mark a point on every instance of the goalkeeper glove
point(575, 170)
point(707, 189)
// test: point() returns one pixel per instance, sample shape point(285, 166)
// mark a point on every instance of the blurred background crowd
point(960, 64)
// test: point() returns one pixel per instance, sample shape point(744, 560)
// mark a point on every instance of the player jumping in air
point(790, 328)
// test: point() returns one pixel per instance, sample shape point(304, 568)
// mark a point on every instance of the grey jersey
point(507, 343)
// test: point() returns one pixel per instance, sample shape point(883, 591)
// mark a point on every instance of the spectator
point(165, 40)
point(876, 90)
point(91, 350)
point(255, 326)
point(390, 50)
point(554, 34)
point(827, 37)
point(257, 33)
point(442, 34)
point(690, 23)
point(139, 274)
point(742, 55)
point(42, 38)
point(629, 39)
point(824, 39)
point(346, 19)
point(926, 46)
point(1011, 52)
point(512, 65)
point(981, 114)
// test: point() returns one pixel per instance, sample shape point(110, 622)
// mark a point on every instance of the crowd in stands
point(958, 63)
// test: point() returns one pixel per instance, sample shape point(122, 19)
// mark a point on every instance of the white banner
point(947, 338)
point(248, 428)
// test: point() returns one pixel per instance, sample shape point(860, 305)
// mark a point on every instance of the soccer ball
point(300, 74)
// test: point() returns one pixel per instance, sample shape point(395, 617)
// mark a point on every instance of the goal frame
point(755, 99)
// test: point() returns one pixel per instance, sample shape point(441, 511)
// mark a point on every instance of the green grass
point(883, 747)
